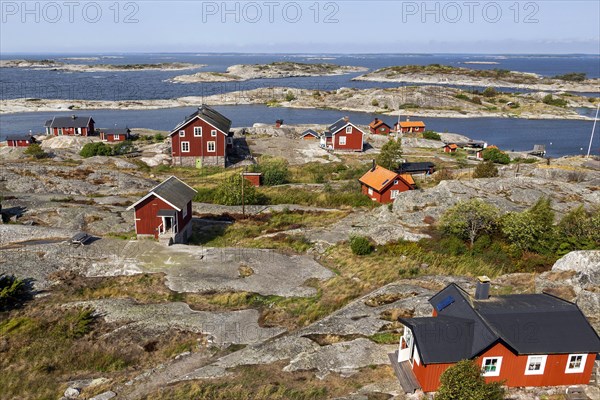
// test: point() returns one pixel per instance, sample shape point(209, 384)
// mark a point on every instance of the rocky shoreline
point(61, 66)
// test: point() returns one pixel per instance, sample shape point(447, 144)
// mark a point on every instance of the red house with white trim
point(115, 134)
point(378, 127)
point(521, 339)
point(165, 212)
point(201, 139)
point(343, 136)
point(70, 126)
point(20, 140)
point(409, 126)
point(383, 185)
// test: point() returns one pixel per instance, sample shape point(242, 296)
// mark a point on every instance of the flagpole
point(593, 129)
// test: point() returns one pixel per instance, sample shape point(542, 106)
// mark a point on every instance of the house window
point(395, 182)
point(491, 366)
point(197, 131)
point(116, 137)
point(213, 133)
point(348, 129)
point(210, 147)
point(184, 211)
point(181, 133)
point(575, 363)
point(394, 194)
point(342, 140)
point(185, 147)
point(370, 191)
point(535, 365)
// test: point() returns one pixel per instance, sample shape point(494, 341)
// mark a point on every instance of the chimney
point(482, 292)
point(374, 166)
point(376, 119)
point(346, 119)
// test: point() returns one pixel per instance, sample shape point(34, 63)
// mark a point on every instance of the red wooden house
point(409, 126)
point(20, 140)
point(343, 135)
point(201, 139)
point(165, 213)
point(378, 127)
point(450, 148)
point(72, 126)
point(383, 185)
point(309, 134)
point(115, 134)
point(521, 339)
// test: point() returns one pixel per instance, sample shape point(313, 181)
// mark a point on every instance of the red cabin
point(165, 213)
point(450, 148)
point(378, 127)
point(201, 139)
point(409, 126)
point(71, 126)
point(115, 135)
point(309, 134)
point(521, 339)
point(343, 135)
point(383, 185)
point(20, 140)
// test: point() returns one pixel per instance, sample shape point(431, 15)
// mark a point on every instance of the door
point(198, 163)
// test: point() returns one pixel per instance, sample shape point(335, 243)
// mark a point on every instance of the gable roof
point(69, 122)
point(451, 146)
point(525, 323)
point(415, 166)
point(377, 123)
point(173, 191)
point(22, 136)
point(378, 178)
point(210, 115)
point(407, 178)
point(338, 126)
point(310, 132)
point(414, 124)
point(115, 131)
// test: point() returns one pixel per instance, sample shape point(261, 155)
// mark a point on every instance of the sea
point(561, 137)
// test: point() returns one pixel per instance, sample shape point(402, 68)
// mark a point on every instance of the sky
point(66, 26)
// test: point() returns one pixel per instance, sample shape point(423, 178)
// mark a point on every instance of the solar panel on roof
point(444, 303)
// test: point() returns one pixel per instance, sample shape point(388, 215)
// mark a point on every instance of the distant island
point(243, 72)
point(449, 75)
point(61, 66)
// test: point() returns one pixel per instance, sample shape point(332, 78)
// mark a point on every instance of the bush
point(431, 135)
point(274, 172)
point(485, 170)
point(36, 151)
point(361, 246)
point(496, 156)
point(123, 148)
point(531, 230)
point(571, 77)
point(374, 103)
point(490, 92)
point(13, 292)
point(289, 96)
point(95, 149)
point(550, 100)
point(464, 380)
point(468, 219)
point(229, 193)
point(159, 137)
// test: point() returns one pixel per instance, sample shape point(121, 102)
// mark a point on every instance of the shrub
point(490, 92)
point(289, 96)
point(13, 292)
point(35, 150)
point(374, 103)
point(159, 137)
point(123, 148)
point(360, 245)
point(229, 193)
point(390, 155)
point(95, 149)
point(462, 96)
point(469, 219)
point(531, 230)
point(431, 135)
point(571, 77)
point(485, 170)
point(464, 380)
point(496, 156)
point(550, 100)
point(275, 172)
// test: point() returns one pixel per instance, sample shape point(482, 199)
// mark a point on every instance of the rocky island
point(62, 66)
point(244, 72)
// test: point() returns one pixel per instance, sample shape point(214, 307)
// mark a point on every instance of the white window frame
point(184, 211)
point(181, 133)
point(213, 133)
point(531, 360)
point(370, 191)
point(349, 129)
point(342, 140)
point(184, 145)
point(197, 131)
point(394, 194)
point(214, 146)
point(576, 370)
point(116, 137)
point(498, 366)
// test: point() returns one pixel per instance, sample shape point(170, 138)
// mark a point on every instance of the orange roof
point(378, 178)
point(376, 122)
point(408, 124)
point(492, 147)
point(452, 146)
point(408, 178)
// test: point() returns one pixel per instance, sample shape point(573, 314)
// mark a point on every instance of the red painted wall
point(253, 179)
point(147, 222)
point(18, 143)
point(198, 145)
point(381, 130)
point(111, 137)
point(354, 140)
point(71, 131)
point(429, 375)
point(386, 195)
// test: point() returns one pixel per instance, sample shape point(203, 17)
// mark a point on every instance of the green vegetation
point(13, 292)
point(464, 380)
point(469, 219)
point(485, 169)
point(274, 170)
point(289, 96)
point(95, 149)
point(229, 193)
point(431, 135)
point(552, 101)
point(531, 230)
point(360, 245)
point(35, 150)
point(495, 155)
point(490, 92)
point(374, 103)
point(571, 77)
point(390, 155)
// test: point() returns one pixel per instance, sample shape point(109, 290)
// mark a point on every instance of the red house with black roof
point(343, 135)
point(201, 139)
point(520, 339)
point(378, 127)
point(70, 126)
point(115, 134)
point(20, 140)
point(165, 213)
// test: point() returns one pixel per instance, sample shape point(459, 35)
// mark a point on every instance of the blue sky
point(301, 26)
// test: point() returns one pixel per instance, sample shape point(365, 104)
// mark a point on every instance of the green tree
point(485, 170)
point(431, 135)
point(230, 192)
point(13, 292)
point(464, 381)
point(579, 230)
point(533, 229)
point(469, 219)
point(36, 151)
point(390, 155)
point(495, 155)
point(95, 149)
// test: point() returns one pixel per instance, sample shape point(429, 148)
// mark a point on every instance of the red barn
point(343, 135)
point(201, 139)
point(521, 339)
point(71, 126)
point(19, 140)
point(165, 213)
point(409, 126)
point(383, 185)
point(115, 134)
point(378, 127)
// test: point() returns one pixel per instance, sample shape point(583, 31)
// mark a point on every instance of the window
point(210, 147)
point(370, 191)
point(349, 129)
point(394, 194)
point(491, 366)
point(575, 363)
point(213, 133)
point(185, 147)
point(117, 137)
point(184, 211)
point(535, 365)
point(396, 182)
point(181, 133)
point(342, 140)
point(197, 131)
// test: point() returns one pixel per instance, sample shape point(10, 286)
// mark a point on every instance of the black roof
point(23, 136)
point(526, 323)
point(415, 166)
point(173, 191)
point(115, 131)
point(211, 116)
point(310, 132)
point(337, 125)
point(69, 122)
